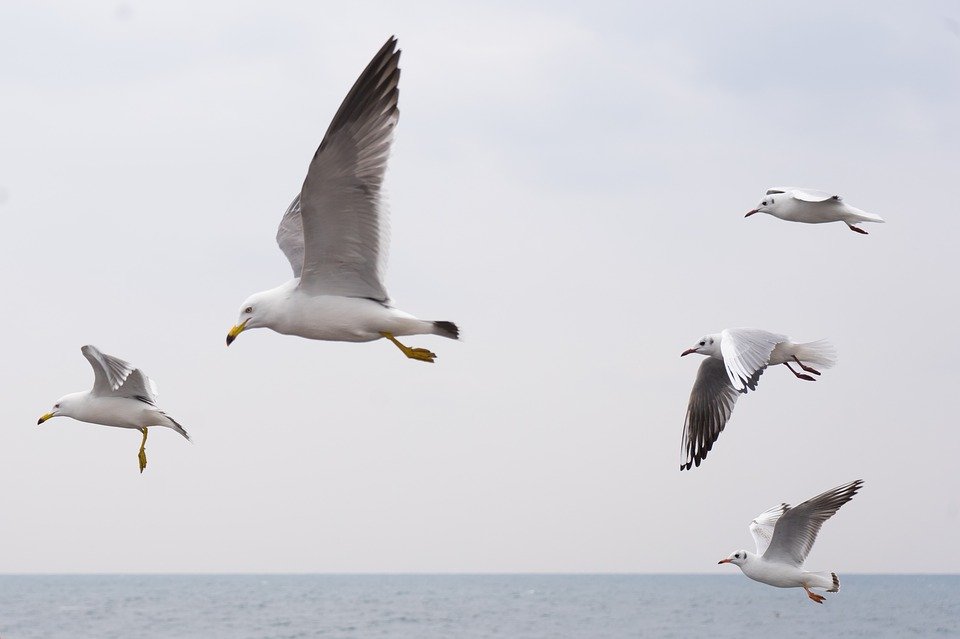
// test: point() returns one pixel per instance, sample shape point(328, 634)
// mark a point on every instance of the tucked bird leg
point(419, 354)
point(142, 455)
point(800, 375)
point(809, 369)
point(814, 596)
point(857, 229)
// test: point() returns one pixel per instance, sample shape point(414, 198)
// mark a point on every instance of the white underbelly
point(119, 412)
point(778, 575)
point(343, 319)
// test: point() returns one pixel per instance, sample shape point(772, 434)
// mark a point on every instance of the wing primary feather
point(797, 529)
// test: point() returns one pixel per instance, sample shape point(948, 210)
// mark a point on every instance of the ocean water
point(467, 606)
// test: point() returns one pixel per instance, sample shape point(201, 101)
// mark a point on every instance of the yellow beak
point(236, 330)
point(44, 418)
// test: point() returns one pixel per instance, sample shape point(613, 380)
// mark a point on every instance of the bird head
point(708, 345)
point(767, 205)
point(63, 406)
point(251, 316)
point(738, 558)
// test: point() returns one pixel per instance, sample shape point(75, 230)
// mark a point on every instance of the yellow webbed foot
point(419, 354)
point(142, 455)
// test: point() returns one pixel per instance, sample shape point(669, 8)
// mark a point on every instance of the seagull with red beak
point(812, 207)
point(784, 537)
point(735, 359)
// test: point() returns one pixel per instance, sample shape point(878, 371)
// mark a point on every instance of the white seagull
point(812, 207)
point(784, 538)
point(736, 357)
point(122, 396)
point(335, 231)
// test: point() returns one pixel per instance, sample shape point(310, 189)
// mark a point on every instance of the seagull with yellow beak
point(122, 396)
point(334, 233)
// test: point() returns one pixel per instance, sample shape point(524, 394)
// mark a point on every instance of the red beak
point(723, 561)
point(752, 212)
point(688, 351)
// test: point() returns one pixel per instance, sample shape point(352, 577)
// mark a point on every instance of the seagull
point(334, 233)
point(122, 396)
point(736, 357)
point(784, 538)
point(812, 207)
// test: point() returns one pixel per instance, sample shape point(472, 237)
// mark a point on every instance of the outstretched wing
point(804, 195)
point(341, 210)
point(113, 377)
point(746, 352)
point(710, 406)
point(797, 528)
point(762, 527)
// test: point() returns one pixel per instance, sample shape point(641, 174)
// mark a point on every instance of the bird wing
point(804, 195)
point(109, 372)
point(139, 386)
point(290, 236)
point(113, 377)
point(762, 527)
point(345, 232)
point(746, 352)
point(711, 403)
point(796, 530)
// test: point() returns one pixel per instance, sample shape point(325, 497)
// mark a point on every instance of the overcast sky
point(568, 184)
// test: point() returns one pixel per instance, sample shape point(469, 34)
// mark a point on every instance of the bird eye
point(702, 343)
point(248, 309)
point(56, 405)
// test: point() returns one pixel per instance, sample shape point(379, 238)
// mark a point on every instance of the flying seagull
point(812, 207)
point(784, 538)
point(736, 357)
point(122, 396)
point(334, 233)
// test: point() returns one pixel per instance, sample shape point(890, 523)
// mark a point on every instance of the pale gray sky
point(568, 185)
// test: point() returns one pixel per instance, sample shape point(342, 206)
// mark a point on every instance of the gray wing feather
point(113, 377)
point(797, 528)
point(290, 236)
point(109, 372)
point(341, 209)
point(710, 406)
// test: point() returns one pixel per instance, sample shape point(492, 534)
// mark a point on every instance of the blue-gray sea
point(466, 606)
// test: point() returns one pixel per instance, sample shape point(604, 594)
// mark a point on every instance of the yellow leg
point(142, 456)
point(419, 354)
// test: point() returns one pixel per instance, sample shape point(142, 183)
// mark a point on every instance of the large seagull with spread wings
point(335, 231)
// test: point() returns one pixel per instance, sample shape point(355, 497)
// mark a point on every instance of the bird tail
point(446, 329)
point(820, 352)
point(826, 580)
point(868, 217)
point(175, 425)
